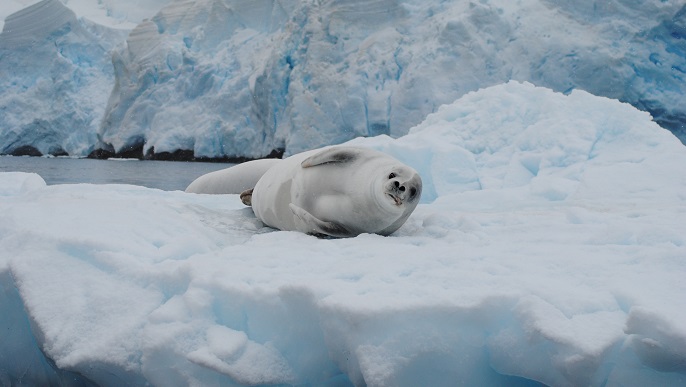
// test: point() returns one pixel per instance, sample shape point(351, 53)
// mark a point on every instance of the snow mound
point(553, 146)
point(549, 249)
point(234, 78)
point(17, 183)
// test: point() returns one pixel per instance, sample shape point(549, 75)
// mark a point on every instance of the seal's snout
point(402, 189)
point(396, 191)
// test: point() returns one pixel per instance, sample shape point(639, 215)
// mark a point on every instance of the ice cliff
point(242, 79)
point(55, 77)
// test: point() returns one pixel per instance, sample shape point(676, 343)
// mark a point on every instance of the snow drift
point(549, 248)
point(229, 78)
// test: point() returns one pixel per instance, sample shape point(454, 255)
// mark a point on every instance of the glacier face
point(239, 78)
point(243, 78)
point(55, 73)
point(185, 80)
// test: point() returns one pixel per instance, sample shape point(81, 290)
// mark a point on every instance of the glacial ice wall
point(243, 78)
point(55, 74)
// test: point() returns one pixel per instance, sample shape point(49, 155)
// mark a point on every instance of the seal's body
point(338, 192)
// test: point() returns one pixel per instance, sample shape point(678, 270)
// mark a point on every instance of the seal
point(338, 192)
point(232, 180)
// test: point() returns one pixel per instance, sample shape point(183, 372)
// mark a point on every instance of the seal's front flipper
point(311, 225)
point(331, 156)
point(246, 197)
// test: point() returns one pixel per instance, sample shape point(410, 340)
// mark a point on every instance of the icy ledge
point(549, 248)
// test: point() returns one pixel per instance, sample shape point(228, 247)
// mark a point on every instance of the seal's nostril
point(396, 184)
point(402, 188)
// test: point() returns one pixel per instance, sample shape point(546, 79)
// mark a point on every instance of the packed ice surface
point(550, 247)
point(243, 78)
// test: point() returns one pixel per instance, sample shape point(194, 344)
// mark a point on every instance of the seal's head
point(402, 186)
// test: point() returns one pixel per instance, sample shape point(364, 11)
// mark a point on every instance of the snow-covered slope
point(243, 78)
point(549, 248)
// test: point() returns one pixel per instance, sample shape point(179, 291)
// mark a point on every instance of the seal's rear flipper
point(316, 226)
point(246, 197)
point(232, 180)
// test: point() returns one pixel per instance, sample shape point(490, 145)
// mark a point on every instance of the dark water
point(166, 175)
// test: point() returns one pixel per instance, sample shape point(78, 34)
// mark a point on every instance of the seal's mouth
point(396, 199)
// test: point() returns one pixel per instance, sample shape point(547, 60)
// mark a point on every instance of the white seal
point(232, 180)
point(339, 192)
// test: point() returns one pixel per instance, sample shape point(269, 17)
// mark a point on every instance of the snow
point(244, 78)
point(548, 248)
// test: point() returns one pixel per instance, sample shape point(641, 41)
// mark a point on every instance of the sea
point(164, 175)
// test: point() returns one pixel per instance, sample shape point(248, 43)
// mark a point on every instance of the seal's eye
point(392, 175)
point(413, 191)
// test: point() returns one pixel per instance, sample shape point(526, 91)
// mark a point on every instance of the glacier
point(55, 77)
point(247, 79)
point(548, 250)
